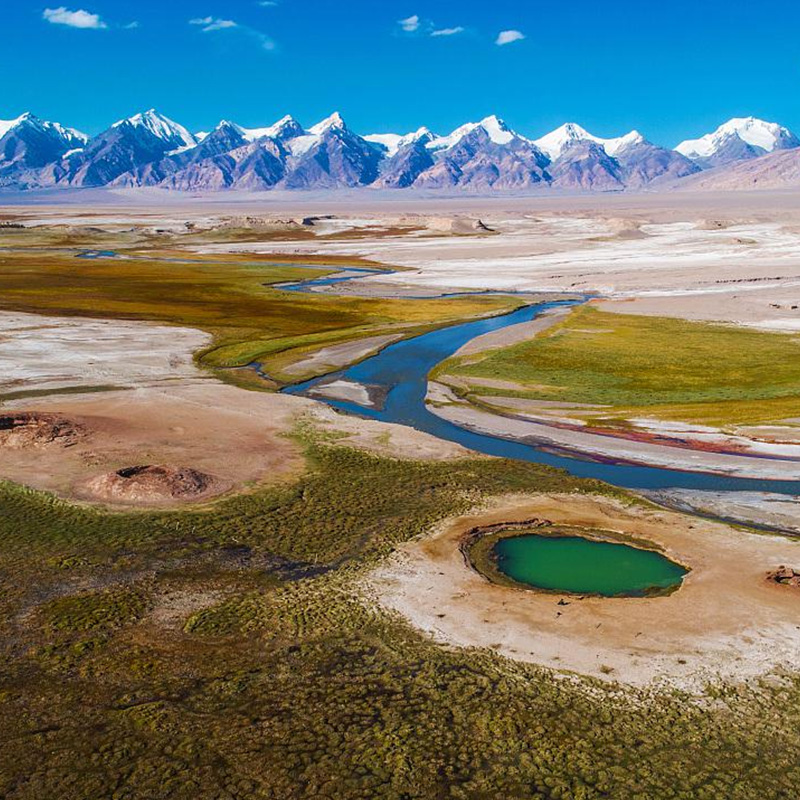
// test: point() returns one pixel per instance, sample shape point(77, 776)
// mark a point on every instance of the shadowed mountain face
point(149, 149)
point(778, 170)
point(337, 158)
point(642, 163)
point(478, 162)
point(124, 151)
point(730, 150)
point(586, 165)
point(30, 144)
point(403, 168)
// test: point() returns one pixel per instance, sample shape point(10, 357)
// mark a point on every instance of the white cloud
point(131, 26)
point(506, 37)
point(410, 24)
point(448, 31)
point(73, 19)
point(268, 3)
point(263, 40)
point(213, 23)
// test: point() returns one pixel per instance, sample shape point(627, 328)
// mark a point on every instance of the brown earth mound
point(154, 484)
point(625, 229)
point(27, 430)
point(786, 576)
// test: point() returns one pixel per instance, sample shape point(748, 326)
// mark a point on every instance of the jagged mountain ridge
point(149, 149)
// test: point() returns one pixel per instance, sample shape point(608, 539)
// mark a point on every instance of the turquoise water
point(584, 566)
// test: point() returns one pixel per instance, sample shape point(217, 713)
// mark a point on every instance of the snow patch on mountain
point(277, 130)
point(68, 134)
point(494, 127)
point(333, 121)
point(768, 136)
point(615, 146)
point(557, 141)
point(393, 142)
point(7, 124)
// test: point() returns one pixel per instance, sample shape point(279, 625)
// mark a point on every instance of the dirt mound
point(462, 225)
point(28, 430)
point(154, 484)
point(786, 576)
point(620, 228)
point(714, 224)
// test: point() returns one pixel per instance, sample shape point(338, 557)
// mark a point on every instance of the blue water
point(401, 371)
point(93, 254)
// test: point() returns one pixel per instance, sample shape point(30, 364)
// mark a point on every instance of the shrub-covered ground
point(225, 653)
point(649, 366)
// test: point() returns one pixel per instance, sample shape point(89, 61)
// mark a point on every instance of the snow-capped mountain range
point(148, 149)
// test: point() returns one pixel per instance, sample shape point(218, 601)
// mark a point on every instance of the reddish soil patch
point(154, 484)
point(785, 576)
point(23, 431)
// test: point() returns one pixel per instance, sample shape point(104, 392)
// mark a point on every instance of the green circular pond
point(585, 566)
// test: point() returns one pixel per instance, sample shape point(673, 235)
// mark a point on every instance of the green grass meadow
point(649, 366)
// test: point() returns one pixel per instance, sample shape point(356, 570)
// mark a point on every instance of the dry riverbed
point(444, 404)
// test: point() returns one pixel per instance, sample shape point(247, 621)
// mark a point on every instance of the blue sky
point(671, 70)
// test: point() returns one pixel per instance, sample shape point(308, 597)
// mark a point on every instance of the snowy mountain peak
point(53, 129)
point(285, 128)
point(617, 145)
point(392, 142)
point(767, 136)
point(7, 124)
point(159, 126)
point(497, 129)
point(334, 121)
point(493, 127)
point(555, 142)
point(287, 121)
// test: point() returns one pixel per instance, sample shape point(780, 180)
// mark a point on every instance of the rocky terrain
point(785, 576)
point(150, 150)
point(24, 430)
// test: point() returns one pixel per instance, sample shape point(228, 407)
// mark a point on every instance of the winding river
point(399, 373)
